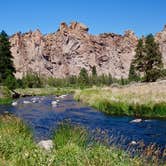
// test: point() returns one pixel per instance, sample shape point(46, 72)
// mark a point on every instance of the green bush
point(32, 81)
point(10, 82)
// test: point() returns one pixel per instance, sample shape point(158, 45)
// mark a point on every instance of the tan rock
point(161, 39)
point(72, 48)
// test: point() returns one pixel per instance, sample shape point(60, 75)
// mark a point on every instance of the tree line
point(146, 66)
point(82, 80)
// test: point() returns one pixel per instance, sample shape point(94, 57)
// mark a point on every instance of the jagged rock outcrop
point(161, 39)
point(71, 48)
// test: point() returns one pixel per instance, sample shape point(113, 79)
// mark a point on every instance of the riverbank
point(5, 95)
point(45, 91)
point(5, 101)
point(139, 100)
point(71, 146)
point(144, 100)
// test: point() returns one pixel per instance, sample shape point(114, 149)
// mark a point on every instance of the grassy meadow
point(140, 100)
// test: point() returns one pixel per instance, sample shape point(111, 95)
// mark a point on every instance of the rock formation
point(161, 39)
point(71, 48)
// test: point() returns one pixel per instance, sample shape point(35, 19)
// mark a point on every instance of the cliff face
point(72, 48)
point(161, 39)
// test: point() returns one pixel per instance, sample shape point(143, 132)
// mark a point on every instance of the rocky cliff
point(71, 48)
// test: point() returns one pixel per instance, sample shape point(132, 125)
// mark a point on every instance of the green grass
point(4, 92)
point(70, 134)
point(5, 101)
point(16, 144)
point(71, 148)
point(5, 95)
point(145, 100)
point(157, 110)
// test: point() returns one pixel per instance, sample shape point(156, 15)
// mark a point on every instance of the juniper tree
point(153, 59)
point(94, 72)
point(6, 59)
point(94, 75)
point(137, 64)
point(147, 61)
point(83, 77)
point(133, 74)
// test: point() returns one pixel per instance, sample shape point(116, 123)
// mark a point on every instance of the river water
point(43, 117)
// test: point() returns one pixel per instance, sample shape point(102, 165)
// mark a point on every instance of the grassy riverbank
point(5, 95)
point(5, 101)
point(44, 91)
point(70, 148)
point(141, 100)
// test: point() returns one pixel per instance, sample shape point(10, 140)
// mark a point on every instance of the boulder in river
point(54, 103)
point(133, 143)
point(62, 96)
point(35, 99)
point(26, 102)
point(136, 121)
point(14, 103)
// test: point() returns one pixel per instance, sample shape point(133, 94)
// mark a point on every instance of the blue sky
point(142, 16)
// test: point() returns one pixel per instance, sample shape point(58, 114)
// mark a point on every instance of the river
point(43, 117)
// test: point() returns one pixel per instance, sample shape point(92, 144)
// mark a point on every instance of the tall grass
point(70, 134)
point(72, 147)
point(141, 100)
point(16, 143)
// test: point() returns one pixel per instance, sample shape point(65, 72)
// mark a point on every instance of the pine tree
point(110, 80)
point(6, 60)
point(153, 59)
point(83, 77)
point(147, 61)
point(133, 75)
point(137, 65)
point(94, 72)
point(10, 82)
point(94, 75)
point(138, 62)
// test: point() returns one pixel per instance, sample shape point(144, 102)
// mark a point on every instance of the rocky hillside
point(71, 48)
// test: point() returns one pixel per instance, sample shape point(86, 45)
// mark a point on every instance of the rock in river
point(26, 102)
point(136, 121)
point(14, 103)
point(133, 143)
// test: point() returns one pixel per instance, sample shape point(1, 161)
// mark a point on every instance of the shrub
point(10, 82)
point(32, 81)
